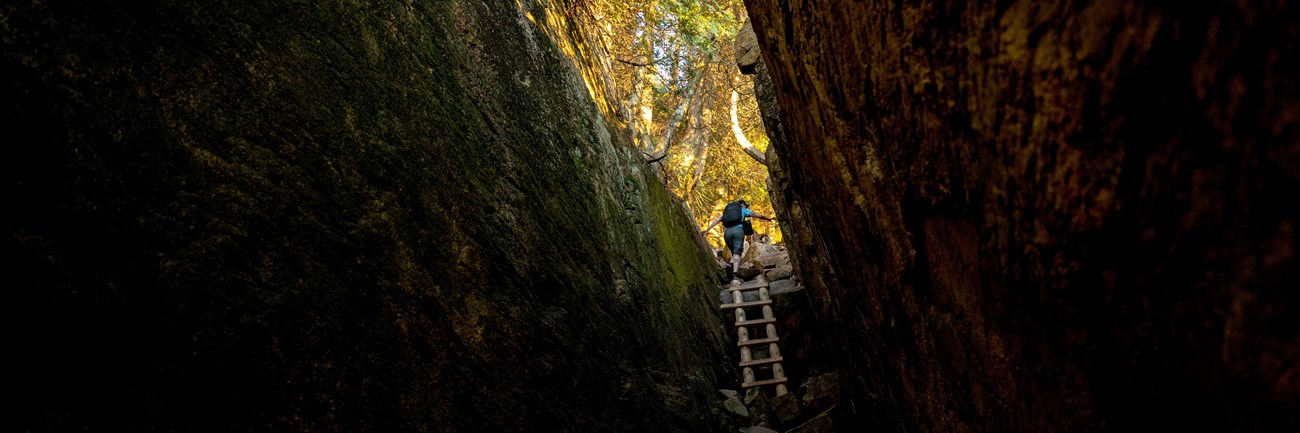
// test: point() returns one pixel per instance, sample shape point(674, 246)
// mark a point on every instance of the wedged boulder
point(746, 49)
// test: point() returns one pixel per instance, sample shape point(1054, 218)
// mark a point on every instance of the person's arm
point(760, 216)
point(711, 224)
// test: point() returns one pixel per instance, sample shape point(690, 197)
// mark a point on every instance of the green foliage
point(702, 23)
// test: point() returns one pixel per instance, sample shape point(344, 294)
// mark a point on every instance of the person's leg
point(735, 239)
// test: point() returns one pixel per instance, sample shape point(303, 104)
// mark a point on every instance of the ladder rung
point(758, 341)
point(764, 361)
point(749, 285)
point(762, 383)
point(750, 304)
point(755, 322)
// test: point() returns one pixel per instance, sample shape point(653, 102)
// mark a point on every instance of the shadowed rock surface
point(387, 216)
point(1028, 216)
point(336, 216)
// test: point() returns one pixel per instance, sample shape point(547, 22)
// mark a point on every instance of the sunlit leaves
point(664, 52)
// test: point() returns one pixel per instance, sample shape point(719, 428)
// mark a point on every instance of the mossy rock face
point(340, 216)
point(1044, 216)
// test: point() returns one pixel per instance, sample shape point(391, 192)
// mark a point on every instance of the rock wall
point(1028, 216)
point(336, 216)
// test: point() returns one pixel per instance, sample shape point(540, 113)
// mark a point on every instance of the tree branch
point(629, 62)
point(651, 159)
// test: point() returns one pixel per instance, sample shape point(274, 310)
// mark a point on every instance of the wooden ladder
point(747, 363)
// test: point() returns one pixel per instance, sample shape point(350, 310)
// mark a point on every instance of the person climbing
point(733, 234)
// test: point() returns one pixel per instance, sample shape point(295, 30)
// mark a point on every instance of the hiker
point(733, 235)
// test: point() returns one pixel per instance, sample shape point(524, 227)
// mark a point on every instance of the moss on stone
point(340, 216)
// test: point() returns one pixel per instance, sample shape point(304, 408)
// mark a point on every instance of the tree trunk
point(692, 93)
point(641, 101)
point(701, 145)
point(750, 150)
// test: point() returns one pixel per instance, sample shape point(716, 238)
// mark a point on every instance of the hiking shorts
point(734, 236)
